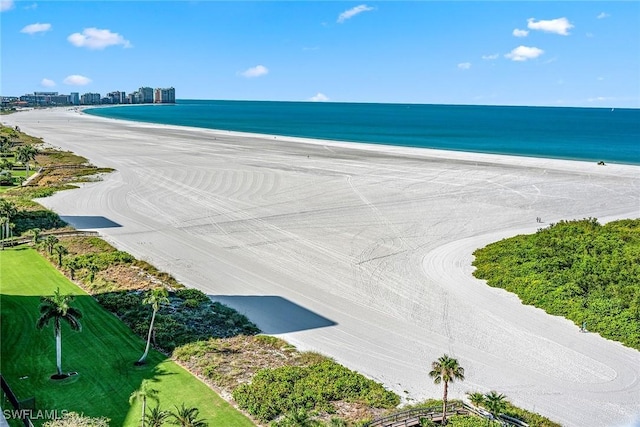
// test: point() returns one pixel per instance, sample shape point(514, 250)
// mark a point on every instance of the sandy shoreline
point(359, 251)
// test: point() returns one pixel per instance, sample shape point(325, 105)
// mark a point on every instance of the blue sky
point(576, 53)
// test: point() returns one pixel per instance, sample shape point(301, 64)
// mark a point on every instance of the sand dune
point(361, 252)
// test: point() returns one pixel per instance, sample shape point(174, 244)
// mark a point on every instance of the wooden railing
point(411, 417)
point(21, 240)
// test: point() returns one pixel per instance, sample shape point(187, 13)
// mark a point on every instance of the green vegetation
point(467, 421)
point(584, 271)
point(102, 354)
point(531, 418)
point(495, 403)
point(73, 419)
point(273, 392)
point(179, 322)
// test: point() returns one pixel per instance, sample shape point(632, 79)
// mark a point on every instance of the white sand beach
point(360, 252)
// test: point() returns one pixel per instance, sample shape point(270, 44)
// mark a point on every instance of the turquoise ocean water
point(591, 134)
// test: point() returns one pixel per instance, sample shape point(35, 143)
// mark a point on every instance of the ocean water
point(592, 134)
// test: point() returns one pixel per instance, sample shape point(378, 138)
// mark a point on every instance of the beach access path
point(361, 252)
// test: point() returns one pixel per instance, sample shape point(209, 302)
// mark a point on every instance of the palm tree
point(50, 242)
point(35, 233)
point(5, 144)
point(61, 251)
point(156, 417)
point(3, 222)
point(72, 264)
point(7, 211)
point(7, 208)
point(155, 298)
point(187, 417)
point(300, 418)
point(57, 307)
point(446, 370)
point(495, 403)
point(144, 392)
point(477, 399)
point(93, 269)
point(24, 154)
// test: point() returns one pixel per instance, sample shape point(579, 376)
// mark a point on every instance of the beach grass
point(102, 354)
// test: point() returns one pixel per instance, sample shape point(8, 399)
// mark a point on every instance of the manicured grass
point(102, 354)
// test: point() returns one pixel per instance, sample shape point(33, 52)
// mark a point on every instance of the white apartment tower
point(164, 96)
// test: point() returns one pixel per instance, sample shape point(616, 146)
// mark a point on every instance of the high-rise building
point(146, 95)
point(116, 97)
point(164, 96)
point(90, 99)
point(74, 98)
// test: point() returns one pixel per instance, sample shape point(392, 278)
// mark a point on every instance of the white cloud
point(603, 15)
point(36, 28)
point(523, 53)
point(464, 65)
point(348, 14)
point(601, 99)
point(6, 5)
point(95, 38)
point(77, 80)
point(257, 71)
point(31, 6)
point(47, 83)
point(557, 26)
point(319, 97)
point(491, 57)
point(520, 33)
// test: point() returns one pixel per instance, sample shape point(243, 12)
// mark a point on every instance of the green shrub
point(194, 321)
point(42, 219)
point(103, 260)
point(581, 270)
point(120, 302)
point(531, 418)
point(278, 391)
point(467, 421)
point(192, 294)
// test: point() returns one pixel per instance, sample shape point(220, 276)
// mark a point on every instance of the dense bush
point(531, 418)
point(274, 392)
point(581, 270)
point(42, 219)
point(190, 294)
point(103, 260)
point(468, 421)
point(177, 323)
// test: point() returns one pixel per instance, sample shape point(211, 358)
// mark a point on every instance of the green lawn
point(102, 354)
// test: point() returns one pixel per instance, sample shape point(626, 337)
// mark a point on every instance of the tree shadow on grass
point(102, 354)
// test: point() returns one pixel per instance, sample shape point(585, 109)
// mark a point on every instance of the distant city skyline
point(144, 95)
point(582, 54)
